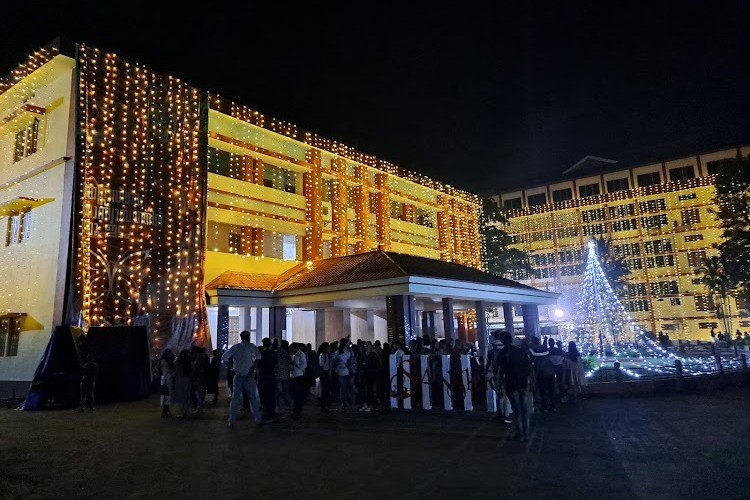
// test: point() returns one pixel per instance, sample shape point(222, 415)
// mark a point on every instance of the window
point(568, 232)
point(649, 179)
point(627, 249)
point(568, 256)
point(674, 301)
point(686, 197)
point(279, 178)
point(289, 251)
point(327, 190)
point(697, 281)
point(234, 242)
point(625, 225)
point(660, 261)
point(512, 204)
point(10, 335)
point(27, 141)
point(691, 216)
point(621, 211)
point(588, 190)
point(704, 303)
point(592, 215)
point(396, 209)
point(713, 167)
point(219, 162)
point(681, 173)
point(665, 288)
point(560, 195)
point(636, 305)
point(658, 246)
point(651, 206)
point(654, 221)
point(570, 270)
point(424, 217)
point(541, 236)
point(693, 237)
point(695, 259)
point(594, 229)
point(636, 289)
point(616, 185)
point(634, 264)
point(543, 259)
point(535, 200)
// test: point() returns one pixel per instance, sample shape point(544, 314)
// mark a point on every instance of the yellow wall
point(30, 270)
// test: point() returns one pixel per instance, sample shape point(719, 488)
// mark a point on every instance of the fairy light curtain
point(141, 183)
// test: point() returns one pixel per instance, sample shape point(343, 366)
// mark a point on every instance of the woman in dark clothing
point(183, 369)
point(213, 376)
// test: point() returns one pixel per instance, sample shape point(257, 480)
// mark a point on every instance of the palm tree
point(713, 273)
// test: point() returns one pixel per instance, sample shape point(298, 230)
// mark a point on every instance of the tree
point(733, 211)
point(614, 267)
point(713, 274)
point(498, 258)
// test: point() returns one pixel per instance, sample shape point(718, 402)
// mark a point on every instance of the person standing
point(167, 382)
point(244, 357)
point(267, 380)
point(324, 362)
point(283, 369)
point(576, 373)
point(199, 377)
point(556, 355)
point(89, 371)
point(299, 382)
point(515, 369)
point(344, 374)
point(544, 373)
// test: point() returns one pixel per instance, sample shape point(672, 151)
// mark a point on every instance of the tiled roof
point(243, 281)
point(370, 266)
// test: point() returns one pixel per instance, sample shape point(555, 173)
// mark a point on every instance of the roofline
point(624, 167)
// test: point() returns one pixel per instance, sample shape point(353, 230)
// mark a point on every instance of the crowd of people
point(275, 380)
point(740, 339)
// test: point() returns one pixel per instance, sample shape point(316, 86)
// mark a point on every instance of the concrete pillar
point(431, 324)
point(531, 320)
point(482, 332)
point(258, 325)
point(223, 326)
point(401, 318)
point(508, 316)
point(320, 326)
point(450, 329)
point(347, 322)
point(276, 322)
point(371, 325)
point(425, 325)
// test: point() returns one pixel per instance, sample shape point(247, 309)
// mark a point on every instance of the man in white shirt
point(298, 380)
point(244, 357)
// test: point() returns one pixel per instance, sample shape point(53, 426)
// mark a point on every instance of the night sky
point(481, 99)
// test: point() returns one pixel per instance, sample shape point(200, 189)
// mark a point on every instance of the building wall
point(322, 198)
point(33, 270)
point(660, 230)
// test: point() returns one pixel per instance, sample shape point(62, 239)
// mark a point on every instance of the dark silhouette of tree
point(733, 211)
point(498, 258)
point(614, 266)
point(713, 274)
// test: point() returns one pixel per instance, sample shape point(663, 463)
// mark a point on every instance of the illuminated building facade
point(130, 197)
point(658, 219)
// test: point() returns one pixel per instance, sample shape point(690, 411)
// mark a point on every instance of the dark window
point(649, 179)
point(658, 246)
point(665, 288)
point(561, 195)
point(634, 264)
point(636, 289)
point(674, 301)
point(693, 237)
point(651, 206)
point(704, 303)
point(625, 225)
point(627, 249)
point(594, 229)
point(234, 242)
point(424, 217)
point(568, 232)
point(695, 259)
point(536, 199)
point(10, 334)
point(714, 167)
point(691, 216)
point(622, 211)
point(685, 197)
point(654, 221)
point(219, 161)
point(697, 281)
point(541, 236)
point(616, 185)
point(588, 190)
point(592, 215)
point(27, 141)
point(512, 204)
point(681, 173)
point(660, 261)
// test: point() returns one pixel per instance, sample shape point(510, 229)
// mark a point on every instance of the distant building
point(129, 197)
point(658, 218)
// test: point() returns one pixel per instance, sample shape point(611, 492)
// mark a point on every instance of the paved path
point(635, 448)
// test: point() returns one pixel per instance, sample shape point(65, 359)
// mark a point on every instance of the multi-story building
point(656, 216)
point(129, 197)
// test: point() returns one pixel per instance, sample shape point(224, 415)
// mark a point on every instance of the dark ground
point(693, 446)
